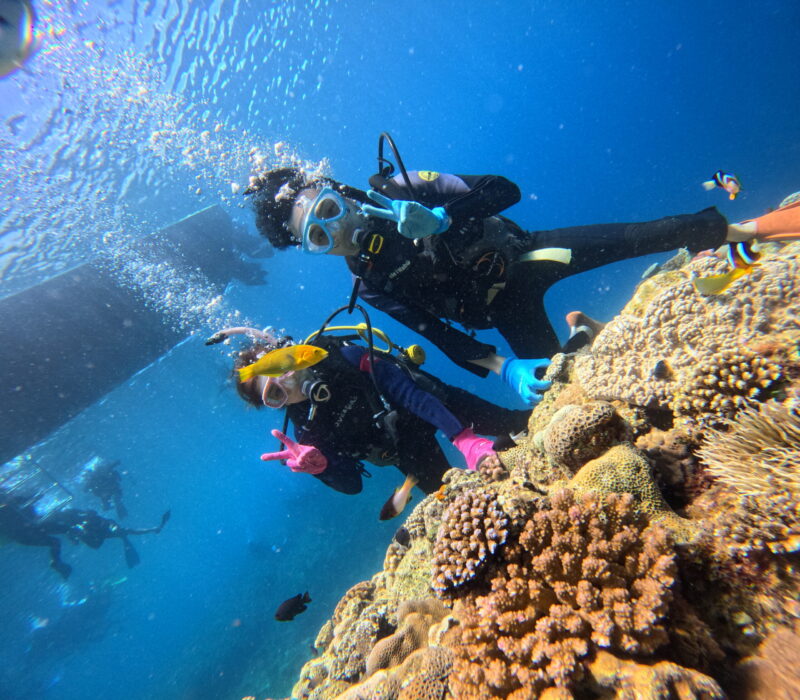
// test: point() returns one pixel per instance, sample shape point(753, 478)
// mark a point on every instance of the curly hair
point(274, 194)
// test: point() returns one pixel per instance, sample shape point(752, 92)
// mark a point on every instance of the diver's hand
point(413, 219)
point(520, 375)
point(299, 458)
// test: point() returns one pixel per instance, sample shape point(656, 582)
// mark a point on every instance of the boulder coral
point(668, 322)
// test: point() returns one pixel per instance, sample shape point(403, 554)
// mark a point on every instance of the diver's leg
point(55, 558)
point(600, 244)
point(518, 311)
point(131, 556)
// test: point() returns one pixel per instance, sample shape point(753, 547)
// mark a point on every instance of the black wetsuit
point(471, 274)
point(344, 430)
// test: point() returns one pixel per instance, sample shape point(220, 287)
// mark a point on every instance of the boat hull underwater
point(68, 341)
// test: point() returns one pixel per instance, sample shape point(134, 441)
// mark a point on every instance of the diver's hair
point(248, 390)
point(274, 194)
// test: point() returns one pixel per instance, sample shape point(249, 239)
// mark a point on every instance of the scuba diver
point(101, 479)
point(431, 249)
point(20, 522)
point(351, 403)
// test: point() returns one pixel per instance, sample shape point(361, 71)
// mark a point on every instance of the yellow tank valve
point(416, 354)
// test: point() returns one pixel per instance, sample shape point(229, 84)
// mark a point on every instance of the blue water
point(599, 111)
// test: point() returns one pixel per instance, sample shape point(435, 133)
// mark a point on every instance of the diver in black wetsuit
point(102, 479)
point(334, 404)
point(437, 251)
point(21, 523)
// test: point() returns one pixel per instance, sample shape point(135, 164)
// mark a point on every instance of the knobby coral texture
point(566, 573)
point(585, 575)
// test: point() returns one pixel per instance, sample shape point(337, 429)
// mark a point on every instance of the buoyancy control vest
point(346, 420)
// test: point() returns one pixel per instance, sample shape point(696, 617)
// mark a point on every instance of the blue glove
point(520, 375)
point(413, 219)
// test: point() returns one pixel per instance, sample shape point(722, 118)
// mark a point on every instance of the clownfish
point(278, 362)
point(742, 259)
point(398, 500)
point(727, 181)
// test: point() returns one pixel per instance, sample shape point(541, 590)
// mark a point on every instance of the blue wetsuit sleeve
point(402, 391)
point(458, 346)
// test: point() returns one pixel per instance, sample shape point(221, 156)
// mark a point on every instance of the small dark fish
point(660, 370)
point(293, 606)
point(402, 536)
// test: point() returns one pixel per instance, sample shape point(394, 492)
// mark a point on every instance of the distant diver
point(101, 479)
point(20, 523)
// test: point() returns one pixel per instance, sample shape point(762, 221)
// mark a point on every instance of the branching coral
point(586, 574)
point(757, 452)
point(724, 384)
point(472, 529)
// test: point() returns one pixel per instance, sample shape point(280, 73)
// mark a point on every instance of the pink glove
point(300, 458)
point(475, 449)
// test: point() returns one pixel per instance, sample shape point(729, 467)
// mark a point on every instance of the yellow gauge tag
point(428, 175)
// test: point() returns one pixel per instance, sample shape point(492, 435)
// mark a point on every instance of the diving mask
point(322, 220)
point(275, 391)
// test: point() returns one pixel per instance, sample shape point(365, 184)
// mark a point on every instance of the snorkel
point(266, 336)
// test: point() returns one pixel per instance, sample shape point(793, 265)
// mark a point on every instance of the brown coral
point(773, 673)
point(577, 434)
point(492, 469)
point(758, 452)
point(414, 619)
point(724, 384)
point(629, 680)
point(472, 529)
point(586, 574)
point(623, 469)
point(668, 321)
point(674, 464)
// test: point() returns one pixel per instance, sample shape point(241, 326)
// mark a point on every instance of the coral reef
point(564, 572)
point(586, 574)
point(724, 384)
point(668, 321)
point(473, 527)
point(577, 434)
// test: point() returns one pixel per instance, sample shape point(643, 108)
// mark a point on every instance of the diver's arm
point(461, 348)
point(462, 196)
point(402, 391)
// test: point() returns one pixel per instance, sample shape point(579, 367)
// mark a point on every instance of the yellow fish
point(741, 257)
point(282, 360)
point(397, 501)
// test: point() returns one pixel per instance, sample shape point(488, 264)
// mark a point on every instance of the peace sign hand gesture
point(299, 458)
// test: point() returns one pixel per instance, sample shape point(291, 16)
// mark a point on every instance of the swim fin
point(131, 555)
point(780, 225)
